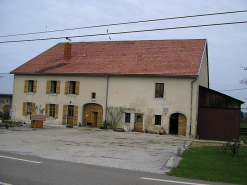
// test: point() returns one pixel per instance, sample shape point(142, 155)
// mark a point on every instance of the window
point(159, 90)
point(127, 117)
point(29, 108)
point(139, 118)
point(72, 87)
point(52, 110)
point(157, 120)
point(30, 86)
point(53, 87)
point(93, 96)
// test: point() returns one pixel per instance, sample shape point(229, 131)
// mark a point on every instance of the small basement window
point(93, 97)
point(127, 117)
point(157, 120)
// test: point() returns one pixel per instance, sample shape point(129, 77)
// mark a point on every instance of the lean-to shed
point(218, 116)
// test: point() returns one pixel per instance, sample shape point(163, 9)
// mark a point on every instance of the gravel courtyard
point(125, 150)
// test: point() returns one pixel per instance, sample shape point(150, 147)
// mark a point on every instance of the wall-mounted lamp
point(70, 102)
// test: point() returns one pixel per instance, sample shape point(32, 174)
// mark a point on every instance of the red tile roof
point(152, 57)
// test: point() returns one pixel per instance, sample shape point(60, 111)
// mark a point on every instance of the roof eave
point(108, 74)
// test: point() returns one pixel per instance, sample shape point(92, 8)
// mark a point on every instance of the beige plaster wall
point(138, 93)
point(88, 85)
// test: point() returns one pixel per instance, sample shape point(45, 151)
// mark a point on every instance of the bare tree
point(243, 81)
point(114, 115)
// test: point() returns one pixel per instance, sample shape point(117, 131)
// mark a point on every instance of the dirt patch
point(206, 143)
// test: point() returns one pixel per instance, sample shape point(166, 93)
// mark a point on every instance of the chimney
point(67, 51)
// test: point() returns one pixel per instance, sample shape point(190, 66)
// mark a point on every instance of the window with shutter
point(30, 86)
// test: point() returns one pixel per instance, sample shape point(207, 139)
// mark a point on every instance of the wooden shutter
point(58, 87)
point(25, 86)
point(48, 86)
point(77, 85)
point(64, 114)
point(66, 87)
point(162, 90)
point(157, 90)
point(75, 115)
point(56, 111)
point(46, 110)
point(24, 109)
point(34, 86)
point(33, 108)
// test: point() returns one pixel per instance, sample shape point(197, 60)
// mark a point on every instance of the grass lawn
point(210, 163)
point(243, 125)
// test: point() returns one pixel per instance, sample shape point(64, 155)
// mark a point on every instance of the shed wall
point(218, 124)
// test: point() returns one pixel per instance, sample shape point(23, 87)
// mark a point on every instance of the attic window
point(84, 55)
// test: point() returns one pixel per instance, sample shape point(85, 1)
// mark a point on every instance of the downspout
point(191, 102)
point(106, 99)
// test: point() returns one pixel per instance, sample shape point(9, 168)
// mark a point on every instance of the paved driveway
point(126, 150)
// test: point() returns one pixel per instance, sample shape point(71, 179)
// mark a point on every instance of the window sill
point(52, 94)
point(50, 118)
point(160, 98)
point(71, 95)
point(30, 93)
point(93, 99)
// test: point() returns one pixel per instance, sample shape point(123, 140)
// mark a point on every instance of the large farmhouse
point(155, 81)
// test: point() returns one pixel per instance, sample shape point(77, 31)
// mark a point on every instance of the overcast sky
point(227, 45)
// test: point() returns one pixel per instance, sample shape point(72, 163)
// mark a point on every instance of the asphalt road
point(28, 170)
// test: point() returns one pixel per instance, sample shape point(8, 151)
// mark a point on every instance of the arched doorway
point(93, 114)
point(178, 124)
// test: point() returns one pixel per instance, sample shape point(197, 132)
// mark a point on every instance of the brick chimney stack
point(67, 51)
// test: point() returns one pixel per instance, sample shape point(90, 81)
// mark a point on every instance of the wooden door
point(70, 117)
point(138, 126)
point(94, 119)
